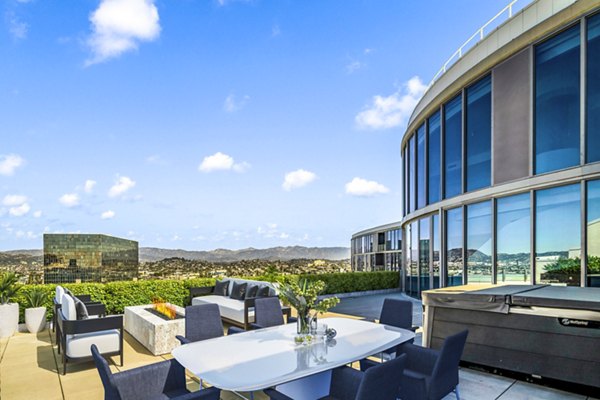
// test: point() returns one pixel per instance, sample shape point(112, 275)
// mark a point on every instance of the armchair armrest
point(413, 386)
point(183, 340)
point(200, 291)
point(86, 298)
point(72, 327)
point(420, 359)
point(275, 395)
point(96, 309)
point(150, 381)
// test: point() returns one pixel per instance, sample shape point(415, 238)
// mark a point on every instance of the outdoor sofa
point(235, 310)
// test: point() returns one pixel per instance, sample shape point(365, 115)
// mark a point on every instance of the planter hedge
point(118, 295)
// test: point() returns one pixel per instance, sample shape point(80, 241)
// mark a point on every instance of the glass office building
point(72, 258)
point(377, 249)
point(501, 158)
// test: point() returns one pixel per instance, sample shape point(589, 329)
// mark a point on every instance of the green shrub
point(118, 295)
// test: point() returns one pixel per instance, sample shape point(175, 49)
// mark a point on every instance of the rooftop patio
point(29, 367)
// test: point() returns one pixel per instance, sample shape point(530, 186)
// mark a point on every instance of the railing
point(477, 36)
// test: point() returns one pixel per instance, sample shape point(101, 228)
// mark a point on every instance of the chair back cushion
point(203, 322)
point(445, 373)
point(68, 307)
point(382, 382)
point(267, 312)
point(110, 388)
point(397, 313)
point(59, 294)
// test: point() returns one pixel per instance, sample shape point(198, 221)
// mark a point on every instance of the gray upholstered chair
point(203, 322)
point(381, 382)
point(432, 374)
point(77, 335)
point(268, 312)
point(162, 380)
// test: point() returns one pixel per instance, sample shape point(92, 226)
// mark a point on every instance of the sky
point(202, 124)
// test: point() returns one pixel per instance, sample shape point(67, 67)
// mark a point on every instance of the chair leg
point(456, 392)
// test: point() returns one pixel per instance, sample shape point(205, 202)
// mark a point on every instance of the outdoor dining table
point(269, 357)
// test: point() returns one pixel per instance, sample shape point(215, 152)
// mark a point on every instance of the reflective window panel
point(593, 233)
point(479, 134)
point(558, 235)
point(414, 283)
point(454, 246)
point(453, 147)
point(424, 243)
point(421, 167)
point(433, 159)
point(435, 240)
point(593, 89)
point(412, 171)
point(557, 102)
point(512, 239)
point(408, 259)
point(479, 243)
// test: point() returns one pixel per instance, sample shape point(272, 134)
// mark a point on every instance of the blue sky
point(200, 124)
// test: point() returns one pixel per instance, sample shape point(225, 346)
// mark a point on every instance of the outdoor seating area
point(424, 373)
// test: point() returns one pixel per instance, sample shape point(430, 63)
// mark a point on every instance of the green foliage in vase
point(303, 295)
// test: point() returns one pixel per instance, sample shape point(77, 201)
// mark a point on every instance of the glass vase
point(303, 324)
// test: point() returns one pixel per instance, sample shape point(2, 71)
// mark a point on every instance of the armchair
point(94, 309)
point(162, 380)
point(76, 336)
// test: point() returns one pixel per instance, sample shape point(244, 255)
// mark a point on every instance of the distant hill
point(224, 255)
point(218, 255)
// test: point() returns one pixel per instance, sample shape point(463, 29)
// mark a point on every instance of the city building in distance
point(70, 258)
point(377, 249)
point(501, 159)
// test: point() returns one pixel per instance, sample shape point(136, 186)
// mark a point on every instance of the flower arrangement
point(302, 294)
point(164, 308)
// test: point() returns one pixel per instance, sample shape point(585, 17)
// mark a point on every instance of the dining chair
point(202, 322)
point(268, 312)
point(162, 380)
point(432, 374)
point(380, 382)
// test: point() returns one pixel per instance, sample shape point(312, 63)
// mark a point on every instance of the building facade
point(377, 249)
point(501, 158)
point(72, 258)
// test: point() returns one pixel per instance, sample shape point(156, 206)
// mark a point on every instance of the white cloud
point(14, 200)
point(69, 200)
point(37, 214)
point(9, 163)
point(110, 214)
point(364, 188)
point(221, 162)
point(122, 185)
point(156, 160)
point(88, 187)
point(19, 211)
point(394, 110)
point(270, 231)
point(297, 179)
point(353, 66)
point(17, 28)
point(119, 25)
point(233, 104)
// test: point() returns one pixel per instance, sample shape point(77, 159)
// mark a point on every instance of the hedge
point(118, 295)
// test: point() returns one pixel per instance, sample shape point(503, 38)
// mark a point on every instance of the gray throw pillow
point(251, 291)
point(239, 291)
point(221, 288)
point(263, 291)
point(82, 312)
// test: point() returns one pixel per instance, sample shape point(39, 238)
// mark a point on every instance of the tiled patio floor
point(29, 370)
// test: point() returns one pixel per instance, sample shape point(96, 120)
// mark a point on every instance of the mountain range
point(225, 255)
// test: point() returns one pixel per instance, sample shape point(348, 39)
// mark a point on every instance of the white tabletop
point(263, 358)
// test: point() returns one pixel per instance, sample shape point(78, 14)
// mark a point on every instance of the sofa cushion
point(239, 291)
point(79, 345)
point(272, 290)
point(251, 291)
point(222, 288)
point(59, 294)
point(228, 307)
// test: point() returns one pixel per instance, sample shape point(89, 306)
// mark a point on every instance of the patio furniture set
point(264, 356)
